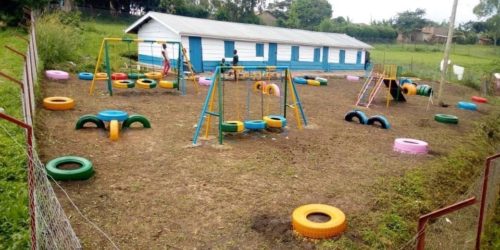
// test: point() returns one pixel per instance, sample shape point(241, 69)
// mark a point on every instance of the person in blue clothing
point(236, 59)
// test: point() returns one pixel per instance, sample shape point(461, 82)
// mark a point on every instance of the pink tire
point(410, 146)
point(57, 75)
point(204, 81)
point(352, 78)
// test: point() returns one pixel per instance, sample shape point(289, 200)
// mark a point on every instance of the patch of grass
point(491, 238)
point(14, 232)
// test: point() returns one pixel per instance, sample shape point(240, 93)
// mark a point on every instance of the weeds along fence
point(49, 226)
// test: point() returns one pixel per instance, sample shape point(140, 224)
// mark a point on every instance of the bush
point(57, 43)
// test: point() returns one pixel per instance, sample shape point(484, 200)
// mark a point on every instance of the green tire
point(451, 119)
point(136, 118)
point(89, 118)
point(84, 172)
point(136, 76)
point(229, 127)
point(322, 81)
point(428, 91)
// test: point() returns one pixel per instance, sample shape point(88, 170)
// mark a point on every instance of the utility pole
point(447, 52)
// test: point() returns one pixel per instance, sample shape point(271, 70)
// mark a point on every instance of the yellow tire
point(409, 89)
point(259, 86)
point(232, 126)
point(313, 83)
point(114, 130)
point(272, 89)
point(123, 84)
point(274, 121)
point(101, 76)
point(146, 84)
point(154, 75)
point(318, 230)
point(58, 103)
point(256, 76)
point(168, 85)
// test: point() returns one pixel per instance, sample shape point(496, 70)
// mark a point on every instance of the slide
point(395, 90)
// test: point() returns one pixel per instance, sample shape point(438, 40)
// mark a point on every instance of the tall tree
point(308, 14)
point(280, 10)
point(491, 10)
point(238, 10)
point(409, 21)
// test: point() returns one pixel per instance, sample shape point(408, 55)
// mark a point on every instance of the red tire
point(119, 76)
point(479, 99)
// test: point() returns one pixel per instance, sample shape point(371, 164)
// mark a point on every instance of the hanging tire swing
point(232, 126)
point(146, 83)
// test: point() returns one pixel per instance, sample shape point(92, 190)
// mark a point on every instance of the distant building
point(208, 41)
point(427, 34)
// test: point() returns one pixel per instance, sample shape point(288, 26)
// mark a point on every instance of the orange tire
point(114, 130)
point(409, 89)
point(58, 103)
point(479, 99)
point(318, 230)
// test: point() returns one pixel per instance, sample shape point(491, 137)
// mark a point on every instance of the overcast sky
point(360, 11)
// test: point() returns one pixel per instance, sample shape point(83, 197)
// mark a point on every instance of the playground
point(153, 189)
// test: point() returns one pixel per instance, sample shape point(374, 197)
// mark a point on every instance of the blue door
point(358, 57)
point(195, 53)
point(273, 54)
point(342, 56)
point(325, 58)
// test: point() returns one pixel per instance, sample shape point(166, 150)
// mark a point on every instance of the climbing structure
point(386, 74)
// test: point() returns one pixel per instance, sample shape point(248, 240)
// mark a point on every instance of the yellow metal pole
point(99, 57)
point(211, 105)
point(294, 100)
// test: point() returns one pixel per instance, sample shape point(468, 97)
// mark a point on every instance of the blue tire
point(85, 76)
point(363, 119)
point(384, 123)
point(467, 105)
point(109, 115)
point(299, 80)
point(255, 124)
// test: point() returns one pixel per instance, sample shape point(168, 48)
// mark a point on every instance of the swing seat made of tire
point(362, 118)
point(313, 83)
point(299, 80)
point(83, 172)
point(479, 99)
point(444, 118)
point(255, 124)
point(124, 84)
point(272, 89)
point(384, 123)
point(467, 106)
point(89, 119)
point(58, 103)
point(136, 118)
point(154, 75)
point(85, 76)
point(168, 85)
point(232, 126)
point(101, 76)
point(322, 81)
point(409, 89)
point(146, 83)
point(136, 76)
point(110, 114)
point(335, 225)
point(119, 76)
point(275, 121)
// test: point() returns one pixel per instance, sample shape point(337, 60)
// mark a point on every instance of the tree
point(280, 10)
point(242, 11)
point(491, 9)
point(308, 14)
point(409, 21)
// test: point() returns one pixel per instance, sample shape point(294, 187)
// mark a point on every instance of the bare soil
point(151, 190)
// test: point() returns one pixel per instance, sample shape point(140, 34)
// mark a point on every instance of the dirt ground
point(152, 191)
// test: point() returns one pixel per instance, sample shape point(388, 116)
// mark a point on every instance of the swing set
point(147, 80)
point(269, 114)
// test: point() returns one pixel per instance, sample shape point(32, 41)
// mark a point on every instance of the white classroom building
point(208, 41)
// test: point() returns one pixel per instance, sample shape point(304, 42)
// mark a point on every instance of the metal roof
point(189, 26)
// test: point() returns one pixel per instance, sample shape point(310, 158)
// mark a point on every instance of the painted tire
point(232, 126)
point(479, 99)
point(58, 103)
point(362, 118)
point(404, 81)
point(322, 81)
point(204, 81)
point(428, 92)
point(109, 115)
point(89, 119)
point(275, 121)
point(419, 89)
point(409, 89)
point(136, 118)
point(318, 230)
point(299, 80)
point(259, 86)
point(467, 105)
point(146, 83)
point(313, 83)
point(255, 124)
point(352, 78)
point(57, 74)
point(272, 89)
point(168, 85)
point(85, 76)
point(410, 146)
point(123, 84)
point(119, 76)
point(101, 76)
point(114, 130)
point(84, 172)
point(384, 123)
point(154, 75)
point(136, 76)
point(451, 119)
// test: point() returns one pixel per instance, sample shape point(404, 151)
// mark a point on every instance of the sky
point(362, 11)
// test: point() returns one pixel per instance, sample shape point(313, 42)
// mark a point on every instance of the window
point(259, 49)
point(228, 48)
point(295, 53)
point(316, 54)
